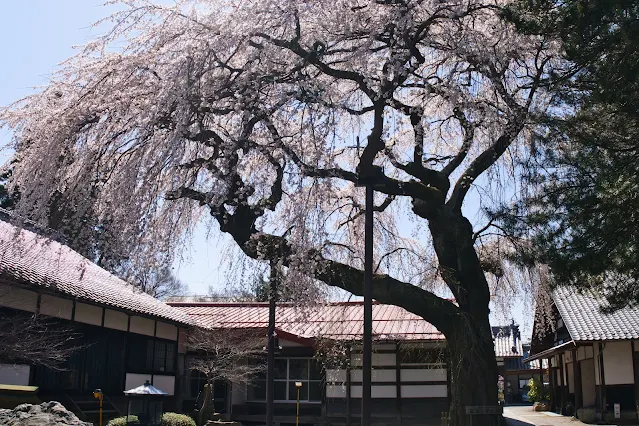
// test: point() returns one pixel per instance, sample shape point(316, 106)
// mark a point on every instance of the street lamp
point(272, 340)
point(367, 179)
point(298, 385)
point(97, 394)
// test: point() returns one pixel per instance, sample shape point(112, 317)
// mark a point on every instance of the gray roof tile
point(585, 321)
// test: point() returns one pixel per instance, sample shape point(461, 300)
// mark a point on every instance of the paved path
point(525, 416)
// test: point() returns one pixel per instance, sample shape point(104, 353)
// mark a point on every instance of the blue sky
point(39, 34)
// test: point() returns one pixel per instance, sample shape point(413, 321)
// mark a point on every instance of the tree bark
point(473, 367)
point(473, 372)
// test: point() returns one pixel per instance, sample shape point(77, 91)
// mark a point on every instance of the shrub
point(122, 421)
point(538, 392)
point(175, 419)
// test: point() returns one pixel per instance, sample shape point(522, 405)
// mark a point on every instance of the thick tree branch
point(469, 134)
point(484, 161)
point(436, 310)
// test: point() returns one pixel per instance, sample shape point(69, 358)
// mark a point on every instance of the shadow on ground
point(513, 422)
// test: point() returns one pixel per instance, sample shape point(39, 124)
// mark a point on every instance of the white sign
point(617, 411)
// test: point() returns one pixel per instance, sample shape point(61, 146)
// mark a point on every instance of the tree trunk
point(473, 367)
point(473, 373)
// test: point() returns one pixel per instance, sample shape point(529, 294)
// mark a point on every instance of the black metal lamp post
point(270, 357)
point(367, 179)
point(367, 348)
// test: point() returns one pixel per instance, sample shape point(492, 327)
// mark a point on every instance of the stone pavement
point(525, 416)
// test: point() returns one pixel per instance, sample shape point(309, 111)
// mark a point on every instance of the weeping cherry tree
point(262, 117)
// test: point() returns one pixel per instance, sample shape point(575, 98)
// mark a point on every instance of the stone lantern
point(145, 402)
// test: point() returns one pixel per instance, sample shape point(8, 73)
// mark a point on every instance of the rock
point(46, 414)
point(587, 415)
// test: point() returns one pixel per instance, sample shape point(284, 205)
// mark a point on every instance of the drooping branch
point(229, 354)
point(35, 340)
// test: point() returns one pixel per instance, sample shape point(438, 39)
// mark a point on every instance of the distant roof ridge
point(238, 304)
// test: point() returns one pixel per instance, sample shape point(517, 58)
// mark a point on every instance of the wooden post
point(348, 386)
point(552, 379)
point(562, 381)
point(602, 379)
point(576, 370)
point(636, 376)
point(398, 383)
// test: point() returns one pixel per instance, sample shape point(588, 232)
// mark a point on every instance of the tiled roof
point(508, 341)
point(333, 320)
point(585, 321)
point(29, 258)
point(504, 346)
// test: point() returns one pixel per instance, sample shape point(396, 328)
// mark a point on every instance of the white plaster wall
point(88, 314)
point(14, 374)
point(165, 383)
point(424, 391)
point(335, 391)
point(133, 380)
point(382, 391)
point(142, 325)
point(336, 376)
point(166, 331)
point(424, 375)
point(376, 375)
point(116, 320)
point(384, 359)
point(56, 307)
point(617, 357)
point(18, 298)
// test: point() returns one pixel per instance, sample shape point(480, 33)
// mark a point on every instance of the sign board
point(475, 410)
point(617, 411)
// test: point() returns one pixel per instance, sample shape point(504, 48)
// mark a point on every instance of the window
point(149, 355)
point(197, 382)
point(287, 372)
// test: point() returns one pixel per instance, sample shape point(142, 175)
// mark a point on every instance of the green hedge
point(168, 419)
point(121, 421)
point(175, 419)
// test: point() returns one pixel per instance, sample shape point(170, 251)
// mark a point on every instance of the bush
point(175, 419)
point(538, 392)
point(168, 419)
point(122, 421)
